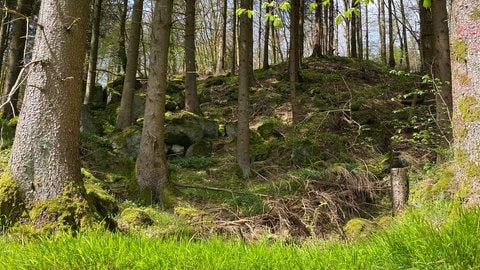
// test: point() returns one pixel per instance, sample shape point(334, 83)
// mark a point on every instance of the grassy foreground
point(429, 237)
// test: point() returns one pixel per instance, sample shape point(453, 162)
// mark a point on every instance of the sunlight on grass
point(415, 241)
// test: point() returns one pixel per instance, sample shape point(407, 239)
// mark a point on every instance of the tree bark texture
point(400, 189)
point(245, 69)
point(266, 42)
point(426, 39)
point(318, 39)
point(465, 55)
point(382, 31)
point(122, 52)
point(223, 46)
point(191, 97)
point(294, 63)
point(124, 118)
point(152, 170)
point(391, 52)
point(45, 154)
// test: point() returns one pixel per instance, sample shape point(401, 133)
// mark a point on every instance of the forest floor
point(310, 181)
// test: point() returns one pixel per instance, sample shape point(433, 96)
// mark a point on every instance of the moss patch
point(469, 109)
point(10, 199)
point(358, 227)
point(459, 52)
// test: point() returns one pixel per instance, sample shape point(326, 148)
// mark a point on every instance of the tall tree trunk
point(293, 60)
point(465, 54)
point(426, 39)
point(404, 34)
point(318, 39)
point(124, 118)
point(4, 33)
point(122, 51)
point(353, 34)
point(152, 170)
point(359, 33)
point(382, 31)
point(367, 45)
point(442, 68)
point(331, 28)
point(243, 134)
point(234, 39)
point(45, 157)
point(223, 46)
point(93, 54)
point(391, 53)
point(266, 41)
point(15, 58)
point(191, 97)
point(301, 31)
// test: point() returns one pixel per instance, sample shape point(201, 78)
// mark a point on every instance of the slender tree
point(244, 80)
point(223, 46)
point(465, 52)
point(122, 52)
point(124, 118)
point(318, 39)
point(191, 97)
point(234, 39)
point(382, 31)
point(293, 65)
point(391, 54)
point(426, 39)
point(266, 41)
point(442, 67)
point(152, 170)
point(18, 38)
point(93, 53)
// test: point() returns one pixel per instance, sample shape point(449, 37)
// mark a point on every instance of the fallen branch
point(219, 189)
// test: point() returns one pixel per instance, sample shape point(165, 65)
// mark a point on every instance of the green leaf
point(313, 6)
point(277, 22)
point(326, 2)
point(285, 6)
point(240, 11)
point(250, 13)
point(339, 19)
point(427, 3)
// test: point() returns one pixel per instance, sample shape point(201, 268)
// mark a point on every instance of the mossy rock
point(136, 217)
point(358, 227)
point(268, 130)
point(200, 149)
point(104, 202)
point(187, 212)
point(10, 199)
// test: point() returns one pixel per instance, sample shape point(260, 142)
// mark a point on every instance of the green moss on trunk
point(11, 205)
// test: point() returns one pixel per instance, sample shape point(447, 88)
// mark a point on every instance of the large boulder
point(187, 128)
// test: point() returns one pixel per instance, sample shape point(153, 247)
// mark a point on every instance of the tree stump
point(400, 189)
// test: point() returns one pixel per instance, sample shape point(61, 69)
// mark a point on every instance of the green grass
point(430, 237)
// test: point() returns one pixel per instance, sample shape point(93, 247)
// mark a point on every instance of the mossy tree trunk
point(152, 170)
point(465, 55)
point(45, 157)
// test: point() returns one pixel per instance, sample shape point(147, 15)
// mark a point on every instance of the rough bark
point(15, 58)
point(465, 54)
point(266, 42)
point(45, 154)
point(152, 170)
point(93, 53)
point(331, 28)
point(124, 118)
point(245, 69)
point(234, 39)
point(404, 34)
point(191, 97)
point(367, 34)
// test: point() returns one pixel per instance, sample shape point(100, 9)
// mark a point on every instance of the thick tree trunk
point(124, 118)
point(45, 155)
point(465, 53)
point(191, 97)
point(442, 69)
point(15, 58)
point(93, 54)
point(152, 170)
point(245, 69)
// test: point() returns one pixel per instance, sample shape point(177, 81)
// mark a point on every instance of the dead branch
point(220, 189)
